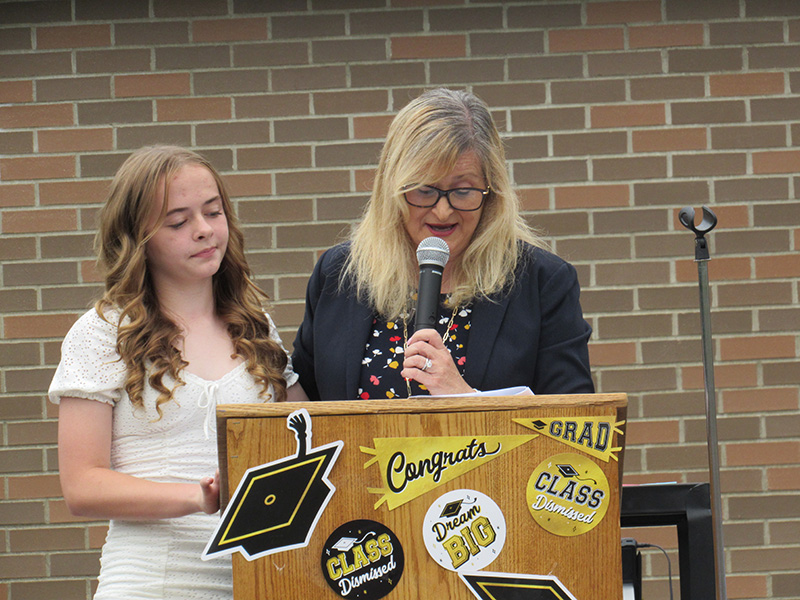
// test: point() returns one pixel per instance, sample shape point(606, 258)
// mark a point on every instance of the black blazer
point(531, 335)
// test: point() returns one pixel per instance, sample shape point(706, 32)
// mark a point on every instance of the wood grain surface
point(588, 564)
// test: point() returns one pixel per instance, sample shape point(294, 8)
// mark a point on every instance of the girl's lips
point(205, 253)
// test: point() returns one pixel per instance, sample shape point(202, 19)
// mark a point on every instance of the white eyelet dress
point(156, 559)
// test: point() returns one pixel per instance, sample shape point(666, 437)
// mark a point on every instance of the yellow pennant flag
point(412, 466)
point(592, 435)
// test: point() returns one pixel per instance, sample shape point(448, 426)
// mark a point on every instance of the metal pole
point(701, 257)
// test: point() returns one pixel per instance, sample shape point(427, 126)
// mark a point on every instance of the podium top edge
point(432, 405)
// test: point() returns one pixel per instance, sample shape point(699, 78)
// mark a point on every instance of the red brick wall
point(617, 114)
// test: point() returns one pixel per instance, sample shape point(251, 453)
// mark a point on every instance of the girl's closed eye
point(177, 225)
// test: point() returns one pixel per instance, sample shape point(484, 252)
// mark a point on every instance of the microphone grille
point(433, 250)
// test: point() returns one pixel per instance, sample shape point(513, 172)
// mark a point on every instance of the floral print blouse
point(384, 353)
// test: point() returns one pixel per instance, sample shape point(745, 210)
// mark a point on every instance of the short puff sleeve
point(90, 366)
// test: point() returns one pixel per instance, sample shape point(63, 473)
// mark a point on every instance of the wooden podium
point(559, 453)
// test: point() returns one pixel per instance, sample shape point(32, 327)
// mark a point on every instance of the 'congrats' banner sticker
point(410, 467)
point(568, 494)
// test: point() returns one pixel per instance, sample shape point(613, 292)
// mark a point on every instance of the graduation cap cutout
point(276, 506)
point(538, 424)
point(515, 586)
point(451, 509)
point(567, 470)
point(345, 543)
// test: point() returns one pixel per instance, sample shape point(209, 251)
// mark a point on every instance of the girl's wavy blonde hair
point(424, 142)
point(147, 337)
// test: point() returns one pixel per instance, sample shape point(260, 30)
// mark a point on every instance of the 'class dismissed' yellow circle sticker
point(568, 494)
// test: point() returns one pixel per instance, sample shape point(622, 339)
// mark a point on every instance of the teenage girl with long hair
point(179, 329)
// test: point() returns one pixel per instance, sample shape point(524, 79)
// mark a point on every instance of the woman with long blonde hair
point(180, 328)
point(509, 311)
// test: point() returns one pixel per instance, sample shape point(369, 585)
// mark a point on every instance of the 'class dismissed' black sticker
point(362, 559)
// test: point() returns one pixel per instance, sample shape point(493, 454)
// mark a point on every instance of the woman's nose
point(442, 208)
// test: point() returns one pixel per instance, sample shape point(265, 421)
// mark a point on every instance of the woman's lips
point(441, 230)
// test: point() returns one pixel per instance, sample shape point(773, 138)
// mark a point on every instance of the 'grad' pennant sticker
point(412, 466)
point(276, 506)
point(592, 435)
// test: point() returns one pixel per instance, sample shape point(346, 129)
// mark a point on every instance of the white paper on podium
point(628, 592)
point(520, 390)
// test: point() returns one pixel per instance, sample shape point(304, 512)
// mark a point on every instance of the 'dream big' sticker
point(464, 530)
point(568, 494)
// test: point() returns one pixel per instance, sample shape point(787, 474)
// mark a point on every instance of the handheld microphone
point(432, 256)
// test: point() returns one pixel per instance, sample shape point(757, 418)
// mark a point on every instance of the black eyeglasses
point(463, 198)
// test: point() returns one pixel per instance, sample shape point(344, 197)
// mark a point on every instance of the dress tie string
point(208, 400)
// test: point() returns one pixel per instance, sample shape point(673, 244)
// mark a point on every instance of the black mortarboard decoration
point(276, 506)
point(539, 424)
point(567, 470)
point(451, 509)
point(515, 586)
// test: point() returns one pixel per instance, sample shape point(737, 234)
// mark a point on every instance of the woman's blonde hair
point(146, 336)
point(424, 142)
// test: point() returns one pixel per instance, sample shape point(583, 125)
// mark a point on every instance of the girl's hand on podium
point(209, 494)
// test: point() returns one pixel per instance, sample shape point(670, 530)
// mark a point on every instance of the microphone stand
point(701, 257)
